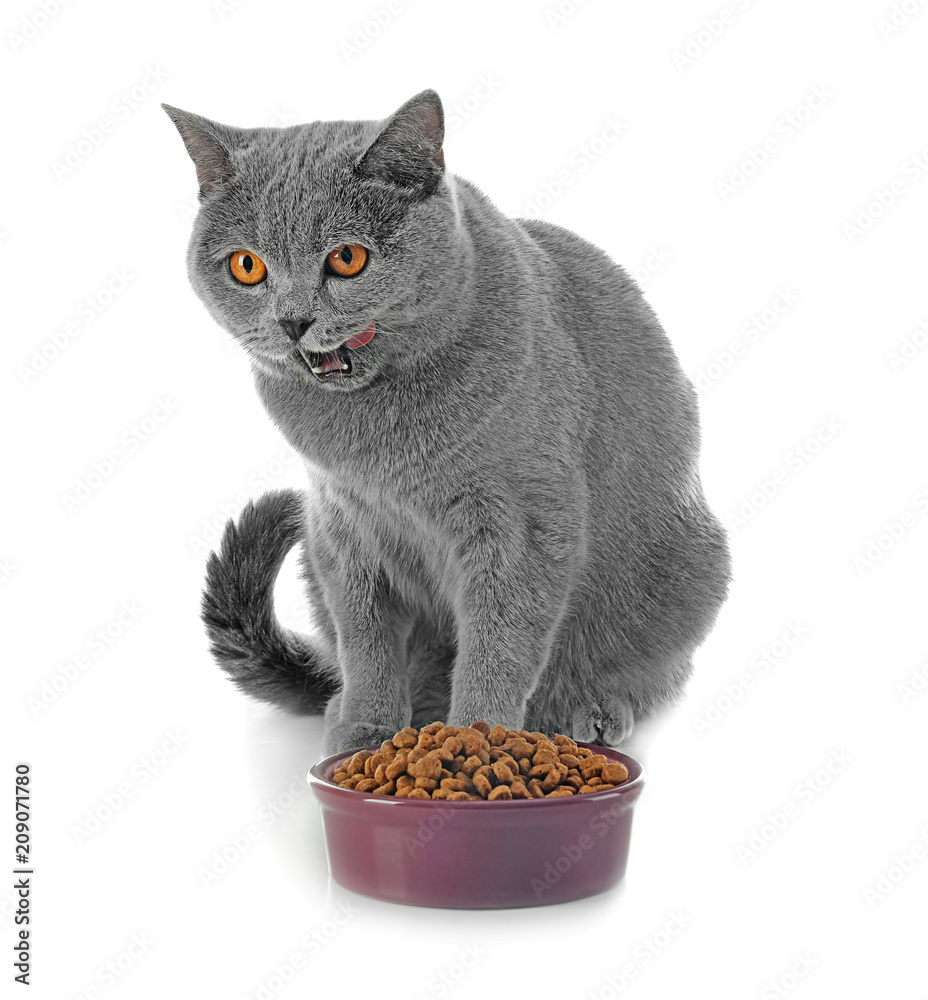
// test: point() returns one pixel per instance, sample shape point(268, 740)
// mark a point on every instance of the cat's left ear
point(408, 148)
point(210, 147)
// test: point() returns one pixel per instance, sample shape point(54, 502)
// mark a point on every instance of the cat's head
point(315, 235)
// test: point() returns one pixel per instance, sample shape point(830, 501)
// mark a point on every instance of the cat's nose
point(295, 328)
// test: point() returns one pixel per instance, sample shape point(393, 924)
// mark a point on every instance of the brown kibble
point(542, 770)
point(356, 763)
point(503, 774)
point(520, 749)
point(615, 772)
point(501, 792)
point(406, 738)
point(497, 736)
point(471, 764)
point(482, 785)
point(513, 765)
point(545, 755)
point(427, 767)
point(398, 767)
point(459, 763)
point(551, 781)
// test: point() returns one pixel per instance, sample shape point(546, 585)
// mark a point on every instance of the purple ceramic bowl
point(517, 852)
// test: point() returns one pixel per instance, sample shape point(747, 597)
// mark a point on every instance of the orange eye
point(347, 260)
point(247, 267)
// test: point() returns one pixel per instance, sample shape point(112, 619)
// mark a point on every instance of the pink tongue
point(360, 339)
point(331, 362)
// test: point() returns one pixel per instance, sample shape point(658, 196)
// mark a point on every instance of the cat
point(504, 520)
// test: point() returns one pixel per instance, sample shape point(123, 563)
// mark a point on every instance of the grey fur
point(505, 519)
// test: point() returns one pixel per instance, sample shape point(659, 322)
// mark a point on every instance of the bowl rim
point(315, 777)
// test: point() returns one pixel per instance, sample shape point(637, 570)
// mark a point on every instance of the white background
point(805, 711)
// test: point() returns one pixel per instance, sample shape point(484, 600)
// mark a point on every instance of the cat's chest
point(397, 530)
point(380, 440)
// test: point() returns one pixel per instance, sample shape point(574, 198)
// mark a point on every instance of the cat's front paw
point(343, 736)
point(609, 721)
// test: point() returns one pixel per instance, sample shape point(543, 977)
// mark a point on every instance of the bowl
point(467, 854)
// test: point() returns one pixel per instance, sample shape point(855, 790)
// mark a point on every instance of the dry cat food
point(476, 762)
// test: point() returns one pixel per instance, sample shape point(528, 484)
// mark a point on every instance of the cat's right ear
point(407, 151)
point(210, 147)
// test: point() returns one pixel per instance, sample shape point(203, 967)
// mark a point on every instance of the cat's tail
point(262, 658)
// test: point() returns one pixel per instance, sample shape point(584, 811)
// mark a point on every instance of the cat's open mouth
point(337, 364)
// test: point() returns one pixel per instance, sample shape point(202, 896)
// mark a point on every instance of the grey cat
point(505, 520)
